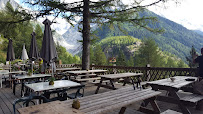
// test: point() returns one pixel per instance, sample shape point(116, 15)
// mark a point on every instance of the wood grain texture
point(104, 102)
point(55, 107)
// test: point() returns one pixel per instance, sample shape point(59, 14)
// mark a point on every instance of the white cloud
point(61, 25)
point(188, 13)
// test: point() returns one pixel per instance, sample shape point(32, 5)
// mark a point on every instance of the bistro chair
point(77, 94)
point(26, 101)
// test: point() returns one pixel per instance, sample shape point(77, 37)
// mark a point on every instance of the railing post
point(93, 66)
point(148, 72)
point(114, 69)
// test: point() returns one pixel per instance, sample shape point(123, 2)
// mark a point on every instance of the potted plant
point(76, 104)
point(29, 72)
point(51, 81)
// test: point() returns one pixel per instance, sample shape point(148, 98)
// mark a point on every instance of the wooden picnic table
point(66, 69)
point(88, 73)
point(101, 103)
point(172, 88)
point(114, 77)
point(55, 107)
point(85, 71)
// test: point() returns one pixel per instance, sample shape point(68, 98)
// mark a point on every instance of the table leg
point(154, 105)
point(111, 82)
point(14, 88)
point(133, 82)
point(99, 86)
point(22, 88)
point(183, 108)
point(122, 111)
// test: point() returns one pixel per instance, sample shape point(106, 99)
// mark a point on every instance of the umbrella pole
point(10, 66)
point(52, 68)
point(32, 68)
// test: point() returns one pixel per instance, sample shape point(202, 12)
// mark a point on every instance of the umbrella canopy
point(10, 51)
point(48, 51)
point(24, 53)
point(33, 54)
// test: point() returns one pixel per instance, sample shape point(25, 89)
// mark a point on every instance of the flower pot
point(51, 83)
point(76, 104)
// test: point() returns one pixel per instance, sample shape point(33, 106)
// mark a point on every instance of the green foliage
point(18, 32)
point(121, 60)
point(190, 58)
point(92, 57)
point(100, 58)
point(51, 79)
point(66, 57)
point(39, 35)
point(130, 62)
point(149, 54)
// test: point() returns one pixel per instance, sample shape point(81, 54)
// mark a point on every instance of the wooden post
point(114, 69)
point(93, 66)
point(148, 72)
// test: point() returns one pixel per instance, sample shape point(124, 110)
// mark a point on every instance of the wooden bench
point(191, 99)
point(170, 112)
point(87, 79)
point(117, 99)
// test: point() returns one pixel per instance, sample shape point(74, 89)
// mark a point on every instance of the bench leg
point(99, 85)
point(154, 105)
point(122, 110)
point(183, 108)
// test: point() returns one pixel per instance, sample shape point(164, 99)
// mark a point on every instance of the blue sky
point(188, 13)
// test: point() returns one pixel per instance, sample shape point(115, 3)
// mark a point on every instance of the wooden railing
point(150, 73)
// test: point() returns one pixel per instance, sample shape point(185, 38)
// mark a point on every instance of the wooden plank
point(178, 83)
point(55, 107)
point(113, 101)
point(5, 104)
point(192, 98)
point(170, 112)
point(109, 93)
point(11, 97)
point(121, 75)
point(87, 79)
point(104, 107)
point(86, 75)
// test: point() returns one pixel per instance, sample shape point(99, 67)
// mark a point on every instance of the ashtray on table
point(190, 79)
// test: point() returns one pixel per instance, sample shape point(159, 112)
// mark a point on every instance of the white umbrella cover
point(24, 53)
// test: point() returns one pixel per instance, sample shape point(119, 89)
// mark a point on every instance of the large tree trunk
point(86, 36)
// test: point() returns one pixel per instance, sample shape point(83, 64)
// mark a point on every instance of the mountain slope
point(176, 39)
point(12, 2)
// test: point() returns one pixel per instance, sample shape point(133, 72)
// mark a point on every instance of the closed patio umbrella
point(48, 51)
point(33, 54)
point(24, 53)
point(10, 52)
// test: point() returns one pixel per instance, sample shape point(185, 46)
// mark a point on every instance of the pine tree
point(149, 53)
point(100, 58)
point(92, 57)
point(130, 62)
point(181, 64)
point(190, 58)
point(121, 60)
point(39, 36)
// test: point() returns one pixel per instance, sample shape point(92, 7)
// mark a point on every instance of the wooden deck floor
point(7, 97)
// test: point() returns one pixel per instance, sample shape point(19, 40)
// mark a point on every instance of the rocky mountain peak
point(12, 2)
